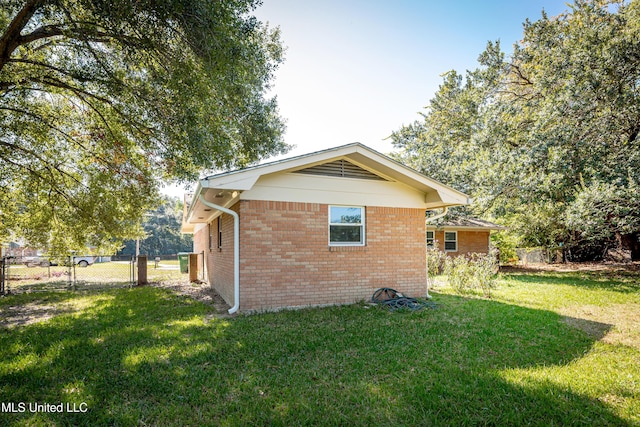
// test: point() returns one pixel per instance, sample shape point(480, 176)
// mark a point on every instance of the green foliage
point(100, 101)
point(162, 234)
point(476, 272)
point(526, 134)
point(603, 213)
point(436, 260)
point(506, 245)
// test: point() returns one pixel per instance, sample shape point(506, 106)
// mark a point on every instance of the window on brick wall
point(346, 226)
point(431, 236)
point(215, 234)
point(219, 222)
point(451, 241)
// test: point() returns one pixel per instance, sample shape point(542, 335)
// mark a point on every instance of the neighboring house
point(461, 236)
point(328, 227)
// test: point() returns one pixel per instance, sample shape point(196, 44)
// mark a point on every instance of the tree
point(100, 102)
point(555, 122)
point(162, 234)
point(607, 214)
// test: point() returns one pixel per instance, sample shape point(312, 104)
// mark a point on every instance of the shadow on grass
point(623, 282)
point(145, 356)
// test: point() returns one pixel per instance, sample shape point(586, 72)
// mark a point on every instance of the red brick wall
point(469, 241)
point(286, 259)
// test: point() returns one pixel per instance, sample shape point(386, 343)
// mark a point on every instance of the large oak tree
point(547, 137)
point(103, 101)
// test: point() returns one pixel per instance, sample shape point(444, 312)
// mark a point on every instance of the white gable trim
point(230, 186)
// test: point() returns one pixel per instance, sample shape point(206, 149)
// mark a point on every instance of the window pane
point(345, 215)
point(430, 235)
point(449, 246)
point(449, 236)
point(345, 234)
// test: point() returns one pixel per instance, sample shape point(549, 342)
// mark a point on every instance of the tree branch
point(10, 40)
point(50, 169)
point(41, 33)
point(50, 67)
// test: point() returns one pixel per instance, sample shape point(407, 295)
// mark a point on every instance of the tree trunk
point(632, 243)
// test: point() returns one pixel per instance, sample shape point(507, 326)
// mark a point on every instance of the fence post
point(2, 276)
point(71, 273)
point(142, 269)
point(6, 271)
point(193, 267)
point(204, 266)
point(132, 271)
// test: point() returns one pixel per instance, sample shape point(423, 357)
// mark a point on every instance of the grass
point(145, 356)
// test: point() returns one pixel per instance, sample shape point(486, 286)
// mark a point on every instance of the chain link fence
point(28, 274)
point(20, 274)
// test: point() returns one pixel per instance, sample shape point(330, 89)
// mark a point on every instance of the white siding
point(291, 187)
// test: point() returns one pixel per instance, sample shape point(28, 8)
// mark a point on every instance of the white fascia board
point(402, 173)
point(239, 182)
point(245, 178)
point(446, 197)
point(431, 227)
point(437, 194)
point(194, 201)
point(186, 228)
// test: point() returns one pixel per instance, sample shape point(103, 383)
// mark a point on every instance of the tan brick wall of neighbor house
point(469, 241)
point(201, 240)
point(286, 259)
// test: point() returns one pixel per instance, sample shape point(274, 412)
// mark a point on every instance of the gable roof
point(349, 161)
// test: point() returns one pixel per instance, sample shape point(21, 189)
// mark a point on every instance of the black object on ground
point(394, 300)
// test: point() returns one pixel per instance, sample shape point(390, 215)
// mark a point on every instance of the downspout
point(427, 221)
point(236, 252)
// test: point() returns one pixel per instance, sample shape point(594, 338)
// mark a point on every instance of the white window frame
point(362, 225)
point(432, 238)
point(455, 241)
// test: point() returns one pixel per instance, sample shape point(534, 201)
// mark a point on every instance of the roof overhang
point(462, 227)
point(225, 189)
point(471, 224)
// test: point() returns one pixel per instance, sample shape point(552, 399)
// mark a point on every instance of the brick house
point(461, 236)
point(324, 228)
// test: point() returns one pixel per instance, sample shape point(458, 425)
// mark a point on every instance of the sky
point(356, 70)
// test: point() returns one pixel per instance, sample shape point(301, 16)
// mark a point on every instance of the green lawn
point(548, 349)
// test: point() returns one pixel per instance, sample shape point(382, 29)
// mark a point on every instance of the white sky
point(356, 70)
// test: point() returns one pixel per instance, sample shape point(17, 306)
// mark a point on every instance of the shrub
point(472, 273)
point(436, 260)
point(506, 244)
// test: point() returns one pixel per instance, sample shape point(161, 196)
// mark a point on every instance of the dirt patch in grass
point(199, 291)
point(40, 311)
point(27, 314)
point(614, 324)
